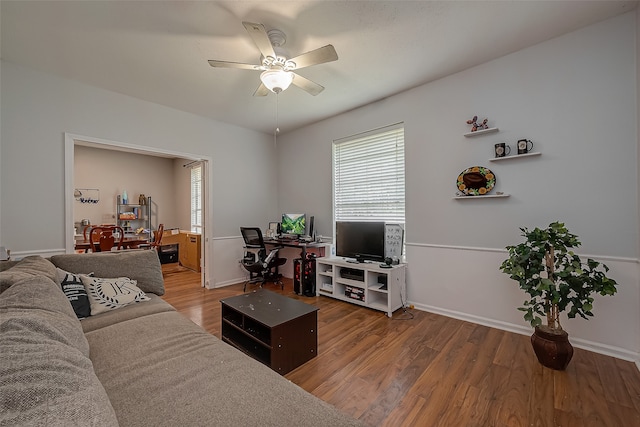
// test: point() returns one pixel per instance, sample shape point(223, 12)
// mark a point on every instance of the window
point(196, 199)
point(368, 176)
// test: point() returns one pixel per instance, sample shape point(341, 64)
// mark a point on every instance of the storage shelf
point(258, 340)
point(141, 213)
point(515, 156)
point(481, 132)
point(329, 273)
point(350, 282)
point(488, 196)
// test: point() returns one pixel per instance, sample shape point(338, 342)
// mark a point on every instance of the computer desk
point(294, 243)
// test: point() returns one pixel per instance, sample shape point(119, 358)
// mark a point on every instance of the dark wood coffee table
point(278, 331)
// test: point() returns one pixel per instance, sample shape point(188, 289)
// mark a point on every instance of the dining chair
point(106, 238)
point(86, 234)
point(157, 239)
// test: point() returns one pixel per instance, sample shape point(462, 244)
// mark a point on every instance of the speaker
point(312, 231)
point(391, 261)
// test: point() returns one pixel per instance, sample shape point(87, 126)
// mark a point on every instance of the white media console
point(365, 284)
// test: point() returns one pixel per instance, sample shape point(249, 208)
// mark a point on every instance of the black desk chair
point(262, 266)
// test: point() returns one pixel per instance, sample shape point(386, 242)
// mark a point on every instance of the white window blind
point(196, 199)
point(368, 178)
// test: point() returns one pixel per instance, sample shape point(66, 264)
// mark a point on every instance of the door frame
point(71, 140)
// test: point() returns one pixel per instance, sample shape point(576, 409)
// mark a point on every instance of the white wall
point(575, 98)
point(638, 136)
point(37, 109)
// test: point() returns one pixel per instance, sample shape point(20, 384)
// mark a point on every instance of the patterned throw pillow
point(76, 293)
point(109, 294)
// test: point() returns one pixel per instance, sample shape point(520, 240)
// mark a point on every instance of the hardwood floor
point(422, 369)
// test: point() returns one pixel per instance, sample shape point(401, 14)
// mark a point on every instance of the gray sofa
point(140, 365)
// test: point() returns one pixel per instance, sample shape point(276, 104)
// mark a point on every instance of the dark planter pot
point(552, 348)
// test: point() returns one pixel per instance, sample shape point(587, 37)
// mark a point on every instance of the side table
point(276, 330)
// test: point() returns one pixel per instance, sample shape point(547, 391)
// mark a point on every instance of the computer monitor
point(293, 224)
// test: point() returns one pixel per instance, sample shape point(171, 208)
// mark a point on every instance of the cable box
point(352, 273)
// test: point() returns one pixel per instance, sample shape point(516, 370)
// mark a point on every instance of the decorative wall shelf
point(481, 132)
point(515, 156)
point(488, 196)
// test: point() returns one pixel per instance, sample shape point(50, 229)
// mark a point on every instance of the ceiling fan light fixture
point(276, 80)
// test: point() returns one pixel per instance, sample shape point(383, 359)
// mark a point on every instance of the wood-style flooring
point(422, 369)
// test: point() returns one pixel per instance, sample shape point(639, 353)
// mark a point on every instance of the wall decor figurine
point(475, 126)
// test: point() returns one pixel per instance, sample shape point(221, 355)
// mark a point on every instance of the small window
point(368, 178)
point(196, 199)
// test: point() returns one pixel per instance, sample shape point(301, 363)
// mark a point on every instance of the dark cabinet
point(278, 331)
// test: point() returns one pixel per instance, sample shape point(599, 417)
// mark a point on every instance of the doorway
point(142, 158)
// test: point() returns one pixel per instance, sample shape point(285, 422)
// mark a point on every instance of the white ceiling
point(158, 51)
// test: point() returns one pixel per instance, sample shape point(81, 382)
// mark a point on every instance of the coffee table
point(278, 331)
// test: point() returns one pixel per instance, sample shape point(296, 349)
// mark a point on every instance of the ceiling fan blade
point(261, 91)
point(306, 84)
point(318, 56)
point(260, 38)
point(226, 64)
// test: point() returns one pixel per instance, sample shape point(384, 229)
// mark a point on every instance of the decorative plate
point(476, 181)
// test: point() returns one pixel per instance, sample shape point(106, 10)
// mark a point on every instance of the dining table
point(129, 242)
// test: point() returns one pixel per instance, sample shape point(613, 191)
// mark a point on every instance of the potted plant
point(556, 280)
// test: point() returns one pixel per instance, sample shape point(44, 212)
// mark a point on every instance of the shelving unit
point(481, 132)
point(488, 196)
point(131, 217)
point(495, 159)
point(365, 284)
point(514, 156)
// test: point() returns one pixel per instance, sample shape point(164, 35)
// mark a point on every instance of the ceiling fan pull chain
point(277, 130)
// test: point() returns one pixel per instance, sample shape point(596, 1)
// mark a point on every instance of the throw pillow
point(76, 293)
point(109, 294)
point(140, 265)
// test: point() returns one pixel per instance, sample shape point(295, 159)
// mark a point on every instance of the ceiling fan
point(277, 69)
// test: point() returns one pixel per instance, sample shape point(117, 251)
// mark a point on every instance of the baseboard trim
point(607, 350)
point(228, 282)
point(17, 256)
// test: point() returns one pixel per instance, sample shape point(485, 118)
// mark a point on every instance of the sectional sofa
point(133, 364)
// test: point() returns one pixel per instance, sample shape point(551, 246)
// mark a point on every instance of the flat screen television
point(293, 224)
point(360, 240)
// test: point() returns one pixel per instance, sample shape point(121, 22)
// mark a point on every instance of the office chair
point(260, 265)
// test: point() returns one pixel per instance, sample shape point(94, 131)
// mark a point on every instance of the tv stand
point(366, 284)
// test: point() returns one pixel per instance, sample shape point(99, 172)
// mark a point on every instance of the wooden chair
point(86, 235)
point(157, 239)
point(103, 239)
point(86, 231)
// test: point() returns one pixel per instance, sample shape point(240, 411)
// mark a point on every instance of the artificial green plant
point(554, 277)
